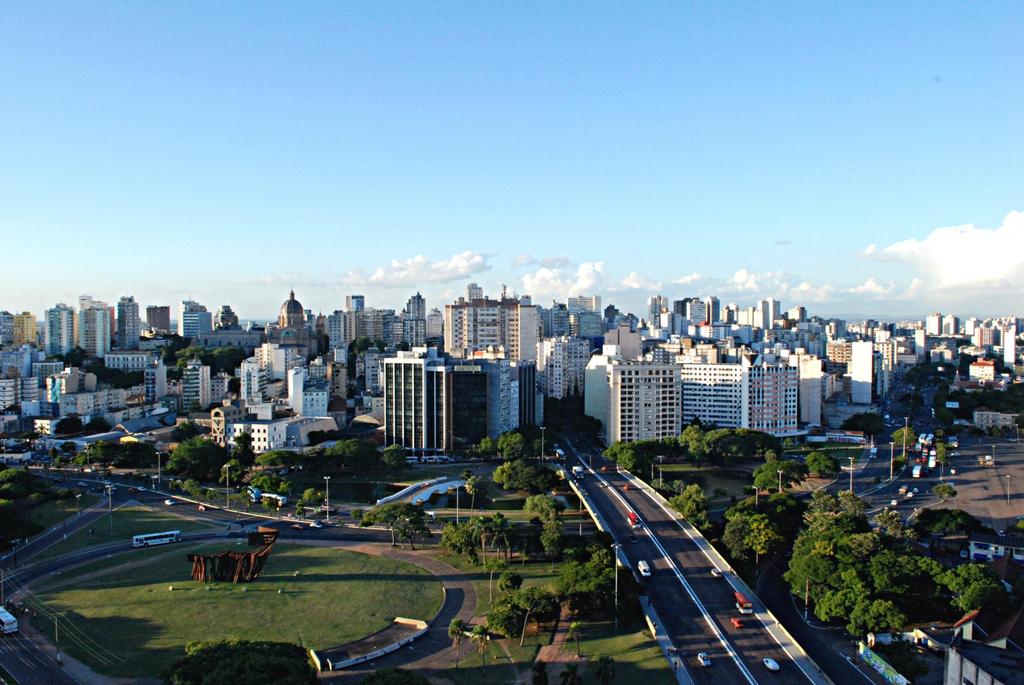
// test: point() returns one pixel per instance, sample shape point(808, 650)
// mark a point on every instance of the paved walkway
point(561, 650)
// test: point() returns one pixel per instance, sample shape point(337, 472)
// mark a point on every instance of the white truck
point(8, 623)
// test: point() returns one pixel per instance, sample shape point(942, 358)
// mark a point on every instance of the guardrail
point(771, 624)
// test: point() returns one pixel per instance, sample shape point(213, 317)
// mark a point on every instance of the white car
point(715, 573)
point(169, 502)
point(644, 568)
point(703, 659)
point(894, 503)
point(770, 664)
point(316, 524)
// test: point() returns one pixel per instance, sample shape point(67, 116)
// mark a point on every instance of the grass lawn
point(127, 521)
point(714, 480)
point(329, 597)
point(52, 512)
point(638, 659)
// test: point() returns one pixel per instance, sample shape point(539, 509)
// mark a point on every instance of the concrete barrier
point(660, 635)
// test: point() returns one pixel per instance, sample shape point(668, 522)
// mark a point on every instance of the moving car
point(169, 502)
point(644, 568)
point(703, 659)
point(770, 664)
point(894, 503)
point(316, 524)
point(736, 622)
point(715, 573)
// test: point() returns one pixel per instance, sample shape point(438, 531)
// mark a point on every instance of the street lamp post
point(227, 486)
point(110, 507)
point(852, 460)
point(780, 480)
point(892, 459)
point(615, 564)
point(78, 505)
point(158, 479)
point(993, 455)
point(327, 497)
point(542, 428)
point(1007, 489)
point(906, 427)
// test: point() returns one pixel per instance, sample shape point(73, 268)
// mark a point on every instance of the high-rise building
point(93, 326)
point(950, 325)
point(155, 380)
point(355, 303)
point(225, 318)
point(59, 329)
point(415, 407)
point(656, 304)
point(252, 381)
point(759, 394)
point(337, 329)
point(416, 307)
point(193, 319)
point(712, 309)
point(6, 328)
point(862, 371)
point(435, 324)
point(809, 372)
point(586, 324)
point(25, 330)
point(195, 385)
point(128, 323)
point(474, 292)
point(554, 320)
point(633, 400)
point(159, 318)
point(1010, 346)
point(933, 324)
point(471, 326)
point(562, 365)
point(584, 303)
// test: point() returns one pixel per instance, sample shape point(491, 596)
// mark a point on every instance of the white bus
point(150, 539)
point(8, 623)
point(917, 471)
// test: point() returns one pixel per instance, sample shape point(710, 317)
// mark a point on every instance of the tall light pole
point(78, 504)
point(780, 480)
point(327, 497)
point(993, 455)
point(110, 507)
point(542, 429)
point(892, 459)
point(615, 565)
point(906, 427)
point(1007, 489)
point(227, 486)
point(457, 504)
point(158, 470)
point(852, 460)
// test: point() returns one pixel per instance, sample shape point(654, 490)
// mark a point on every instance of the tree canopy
point(241, 661)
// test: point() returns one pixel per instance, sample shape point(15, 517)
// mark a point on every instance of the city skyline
point(808, 153)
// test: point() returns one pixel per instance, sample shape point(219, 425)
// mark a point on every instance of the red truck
point(634, 520)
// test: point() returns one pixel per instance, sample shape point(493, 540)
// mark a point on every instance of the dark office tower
point(159, 318)
point(355, 303)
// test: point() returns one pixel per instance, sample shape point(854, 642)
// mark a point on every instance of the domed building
point(292, 314)
point(292, 329)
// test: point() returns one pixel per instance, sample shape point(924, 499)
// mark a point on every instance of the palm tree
point(493, 566)
point(480, 638)
point(483, 526)
point(569, 675)
point(499, 533)
point(456, 631)
point(575, 628)
point(471, 485)
point(605, 670)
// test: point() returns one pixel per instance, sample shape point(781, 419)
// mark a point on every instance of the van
point(8, 623)
point(644, 568)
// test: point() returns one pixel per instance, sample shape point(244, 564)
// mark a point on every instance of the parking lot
point(992, 493)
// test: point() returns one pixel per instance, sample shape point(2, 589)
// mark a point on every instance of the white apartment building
point(713, 393)
point(633, 400)
point(128, 360)
point(475, 325)
point(1010, 346)
point(933, 324)
point(266, 435)
point(810, 375)
point(337, 329)
point(253, 380)
point(562, 365)
point(861, 370)
point(195, 385)
point(155, 381)
point(93, 326)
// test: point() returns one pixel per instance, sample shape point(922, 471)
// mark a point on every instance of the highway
point(695, 606)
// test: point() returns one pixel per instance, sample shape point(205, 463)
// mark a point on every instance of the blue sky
point(228, 151)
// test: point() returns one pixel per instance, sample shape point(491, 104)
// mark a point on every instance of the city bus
point(917, 471)
point(150, 539)
point(743, 605)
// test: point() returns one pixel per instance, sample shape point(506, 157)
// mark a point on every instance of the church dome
point(292, 314)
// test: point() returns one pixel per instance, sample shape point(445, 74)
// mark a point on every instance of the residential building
point(586, 324)
point(862, 371)
point(195, 385)
point(475, 325)
point(128, 325)
point(810, 376)
point(561, 366)
point(93, 326)
point(933, 324)
point(128, 360)
point(982, 370)
point(225, 318)
point(1010, 346)
point(554, 320)
point(950, 325)
point(24, 329)
point(629, 342)
point(355, 303)
point(193, 319)
point(337, 329)
point(155, 380)
point(976, 663)
point(6, 328)
point(633, 400)
point(252, 381)
point(435, 325)
point(984, 336)
point(159, 318)
point(584, 303)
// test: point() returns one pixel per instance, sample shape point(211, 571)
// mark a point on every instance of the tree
point(539, 673)
point(605, 671)
point(946, 522)
point(405, 521)
point(471, 486)
point(487, 446)
point(551, 538)
point(944, 491)
point(868, 422)
point(761, 536)
point(898, 435)
point(480, 638)
point(766, 476)
point(393, 458)
point(456, 631)
point(493, 566)
point(575, 628)
point(509, 581)
point(694, 506)
point(822, 463)
point(186, 430)
point(97, 424)
point(460, 538)
point(242, 661)
point(974, 586)
point(747, 532)
point(197, 458)
point(692, 441)
point(891, 523)
point(545, 506)
point(520, 474)
point(513, 445)
point(69, 425)
point(242, 450)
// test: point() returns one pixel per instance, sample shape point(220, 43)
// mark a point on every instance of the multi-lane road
point(696, 607)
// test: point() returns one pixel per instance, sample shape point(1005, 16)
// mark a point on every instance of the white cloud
point(873, 288)
point(555, 283)
point(964, 256)
point(419, 269)
point(635, 281)
point(689, 278)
